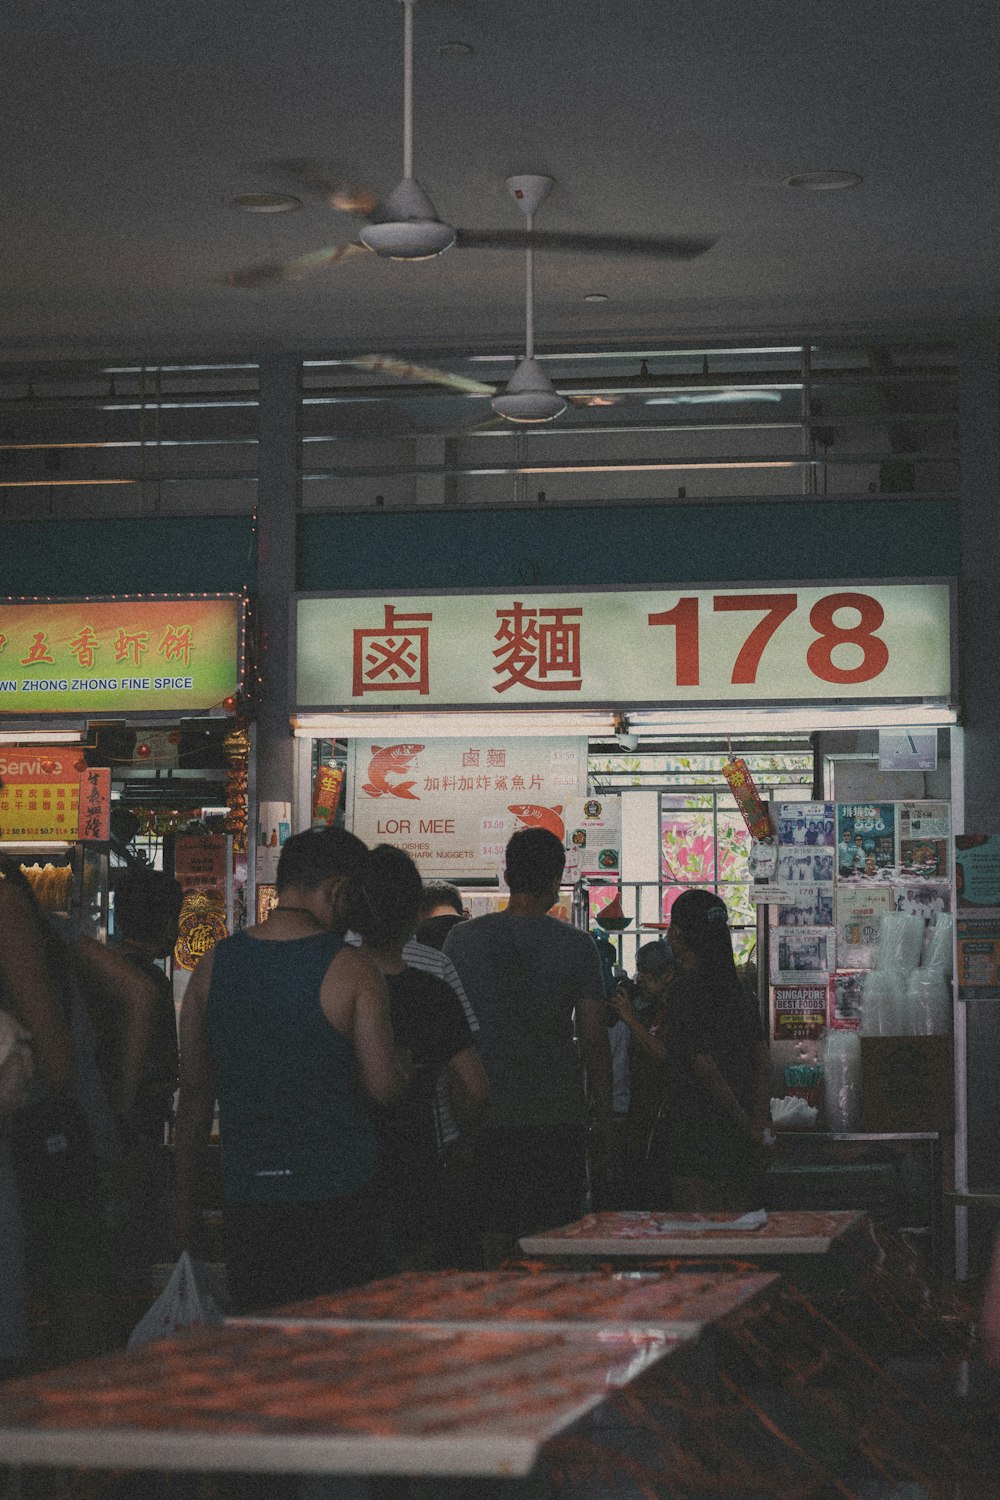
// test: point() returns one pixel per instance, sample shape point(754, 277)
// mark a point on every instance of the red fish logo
point(532, 816)
point(395, 758)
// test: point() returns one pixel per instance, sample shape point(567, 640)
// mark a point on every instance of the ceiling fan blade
point(278, 272)
point(656, 247)
point(324, 180)
point(404, 369)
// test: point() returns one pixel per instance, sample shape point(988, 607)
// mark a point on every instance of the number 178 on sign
point(840, 638)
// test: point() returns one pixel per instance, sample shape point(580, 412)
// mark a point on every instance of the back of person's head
point(10, 869)
point(534, 859)
point(703, 922)
point(655, 959)
point(147, 903)
point(309, 858)
point(440, 893)
point(389, 896)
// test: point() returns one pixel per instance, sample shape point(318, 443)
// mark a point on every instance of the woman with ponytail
point(711, 1127)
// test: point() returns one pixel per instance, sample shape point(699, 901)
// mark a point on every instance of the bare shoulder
point(196, 994)
point(351, 966)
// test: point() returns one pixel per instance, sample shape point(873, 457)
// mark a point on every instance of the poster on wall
point(860, 909)
point(593, 836)
point(977, 872)
point(805, 866)
point(844, 996)
point(810, 906)
point(866, 839)
point(452, 804)
point(978, 948)
point(806, 824)
point(977, 915)
point(801, 955)
point(799, 1012)
point(924, 832)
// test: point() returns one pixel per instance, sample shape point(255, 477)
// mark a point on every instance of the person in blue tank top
point(289, 1029)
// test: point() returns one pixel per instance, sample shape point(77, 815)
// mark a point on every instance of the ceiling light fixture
point(410, 228)
point(266, 203)
point(595, 297)
point(822, 182)
point(529, 395)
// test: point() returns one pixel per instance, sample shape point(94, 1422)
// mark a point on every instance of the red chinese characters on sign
point(83, 646)
point(38, 651)
point(134, 643)
point(394, 658)
point(539, 649)
point(176, 644)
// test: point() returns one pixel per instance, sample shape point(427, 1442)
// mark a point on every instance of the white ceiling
point(129, 127)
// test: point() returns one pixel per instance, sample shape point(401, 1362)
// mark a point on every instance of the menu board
point(48, 794)
point(452, 804)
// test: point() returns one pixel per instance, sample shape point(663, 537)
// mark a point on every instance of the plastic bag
point(184, 1300)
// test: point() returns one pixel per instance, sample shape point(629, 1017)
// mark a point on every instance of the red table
point(682, 1305)
point(640, 1236)
point(326, 1399)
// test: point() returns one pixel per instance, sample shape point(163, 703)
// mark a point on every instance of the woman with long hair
point(711, 1128)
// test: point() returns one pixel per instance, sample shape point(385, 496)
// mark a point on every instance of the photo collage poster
point(841, 867)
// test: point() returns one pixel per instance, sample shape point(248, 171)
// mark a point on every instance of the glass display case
point(69, 879)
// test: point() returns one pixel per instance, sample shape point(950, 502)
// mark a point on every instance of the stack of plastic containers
point(903, 996)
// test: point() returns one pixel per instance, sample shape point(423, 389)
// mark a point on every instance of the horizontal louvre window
point(129, 441)
point(650, 426)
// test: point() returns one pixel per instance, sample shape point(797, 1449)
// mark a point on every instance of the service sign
point(553, 647)
point(452, 804)
point(111, 655)
point(48, 794)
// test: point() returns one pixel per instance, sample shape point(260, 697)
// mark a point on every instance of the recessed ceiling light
point(822, 182)
point(596, 297)
point(266, 203)
point(454, 49)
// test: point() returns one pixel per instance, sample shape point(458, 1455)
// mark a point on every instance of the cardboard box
point(907, 1083)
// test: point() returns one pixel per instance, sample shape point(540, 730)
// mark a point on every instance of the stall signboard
point(452, 804)
point(200, 863)
point(125, 655)
point(648, 646)
point(48, 794)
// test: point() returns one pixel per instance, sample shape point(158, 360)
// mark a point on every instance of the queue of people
point(383, 1103)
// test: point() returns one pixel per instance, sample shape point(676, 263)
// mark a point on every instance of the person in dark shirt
point(643, 1008)
point(432, 1032)
point(441, 906)
point(711, 1127)
point(147, 911)
point(289, 1028)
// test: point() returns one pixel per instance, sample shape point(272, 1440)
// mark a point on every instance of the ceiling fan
point(529, 395)
point(406, 225)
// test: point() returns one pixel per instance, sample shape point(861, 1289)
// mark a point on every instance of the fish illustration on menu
point(393, 760)
point(530, 815)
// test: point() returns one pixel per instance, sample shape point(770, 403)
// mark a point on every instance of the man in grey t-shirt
point(529, 977)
